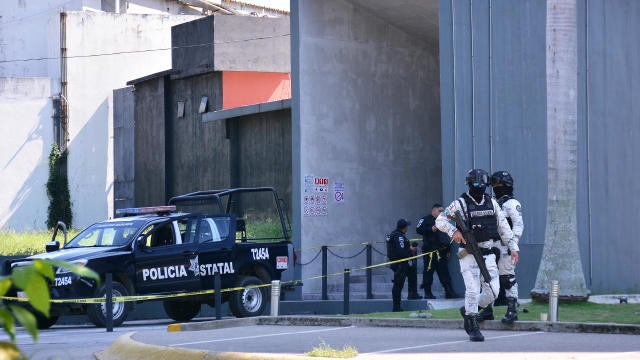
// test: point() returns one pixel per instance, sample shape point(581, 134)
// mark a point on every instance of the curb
point(572, 327)
point(125, 348)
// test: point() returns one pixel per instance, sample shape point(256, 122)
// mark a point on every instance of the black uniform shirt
point(398, 246)
point(431, 240)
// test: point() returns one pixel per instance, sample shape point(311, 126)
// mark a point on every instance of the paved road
point(76, 342)
point(80, 342)
point(401, 343)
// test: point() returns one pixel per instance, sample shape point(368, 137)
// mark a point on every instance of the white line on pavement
point(449, 343)
point(265, 335)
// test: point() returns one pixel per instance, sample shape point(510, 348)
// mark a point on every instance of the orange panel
point(240, 88)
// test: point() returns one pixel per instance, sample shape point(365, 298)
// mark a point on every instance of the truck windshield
point(111, 233)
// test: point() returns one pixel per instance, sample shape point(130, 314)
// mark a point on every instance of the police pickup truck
point(162, 251)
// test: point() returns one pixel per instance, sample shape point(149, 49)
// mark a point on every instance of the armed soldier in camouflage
point(502, 184)
point(483, 216)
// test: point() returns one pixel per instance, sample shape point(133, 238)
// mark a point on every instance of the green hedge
point(58, 189)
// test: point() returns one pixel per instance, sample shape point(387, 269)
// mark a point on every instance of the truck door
point(216, 238)
point(166, 259)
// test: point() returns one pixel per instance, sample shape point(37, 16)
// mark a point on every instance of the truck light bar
point(146, 210)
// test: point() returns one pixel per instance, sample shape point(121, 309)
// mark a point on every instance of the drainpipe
point(64, 103)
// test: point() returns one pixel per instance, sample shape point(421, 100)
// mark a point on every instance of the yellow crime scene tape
point(209, 292)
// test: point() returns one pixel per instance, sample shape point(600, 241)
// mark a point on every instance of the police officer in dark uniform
point(436, 246)
point(399, 247)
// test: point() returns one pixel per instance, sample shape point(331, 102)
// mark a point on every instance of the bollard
point(275, 297)
point(553, 301)
point(369, 275)
point(347, 281)
point(218, 295)
point(109, 302)
point(324, 273)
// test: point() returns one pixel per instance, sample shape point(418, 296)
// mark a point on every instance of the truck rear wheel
point(248, 302)
point(98, 312)
point(181, 310)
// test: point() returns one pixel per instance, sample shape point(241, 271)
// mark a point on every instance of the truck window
point(187, 229)
point(163, 235)
point(214, 229)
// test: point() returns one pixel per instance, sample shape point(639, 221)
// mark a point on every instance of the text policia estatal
point(178, 271)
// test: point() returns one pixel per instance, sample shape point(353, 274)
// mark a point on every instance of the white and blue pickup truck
point(163, 250)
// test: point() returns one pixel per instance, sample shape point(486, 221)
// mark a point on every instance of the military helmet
point(477, 178)
point(502, 177)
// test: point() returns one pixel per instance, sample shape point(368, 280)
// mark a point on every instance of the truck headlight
point(80, 262)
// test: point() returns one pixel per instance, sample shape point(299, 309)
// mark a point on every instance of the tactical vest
point(482, 218)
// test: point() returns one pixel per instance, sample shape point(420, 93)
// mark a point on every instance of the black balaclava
point(477, 192)
point(501, 191)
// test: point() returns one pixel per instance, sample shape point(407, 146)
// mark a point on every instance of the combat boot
point(396, 306)
point(474, 330)
point(428, 295)
point(512, 311)
point(466, 322)
point(486, 313)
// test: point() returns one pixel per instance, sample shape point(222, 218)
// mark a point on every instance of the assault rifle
point(472, 246)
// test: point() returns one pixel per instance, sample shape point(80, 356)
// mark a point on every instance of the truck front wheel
point(181, 310)
point(44, 322)
point(250, 301)
point(98, 312)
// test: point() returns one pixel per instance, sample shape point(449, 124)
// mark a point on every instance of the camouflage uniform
point(512, 210)
point(502, 183)
point(468, 266)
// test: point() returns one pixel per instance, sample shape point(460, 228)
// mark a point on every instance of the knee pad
point(507, 281)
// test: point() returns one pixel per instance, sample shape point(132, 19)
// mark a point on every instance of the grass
point(27, 243)
point(326, 351)
point(267, 230)
point(567, 312)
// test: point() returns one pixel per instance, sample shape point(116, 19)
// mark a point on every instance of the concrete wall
point(494, 106)
point(245, 43)
point(199, 152)
point(24, 152)
point(609, 78)
point(366, 113)
point(494, 116)
point(91, 80)
point(25, 34)
point(193, 46)
point(123, 147)
point(263, 155)
point(232, 43)
point(149, 145)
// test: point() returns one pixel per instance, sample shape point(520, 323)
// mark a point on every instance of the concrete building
point(396, 100)
point(59, 63)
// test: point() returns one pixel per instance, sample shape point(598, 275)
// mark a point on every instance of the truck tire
point(44, 322)
point(181, 310)
point(248, 302)
point(97, 312)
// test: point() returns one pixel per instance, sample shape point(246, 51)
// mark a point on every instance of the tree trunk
point(561, 255)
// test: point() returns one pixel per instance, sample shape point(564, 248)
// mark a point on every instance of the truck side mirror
point(141, 242)
point(52, 246)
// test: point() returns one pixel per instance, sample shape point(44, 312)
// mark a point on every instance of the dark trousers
point(433, 264)
point(399, 275)
point(412, 278)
